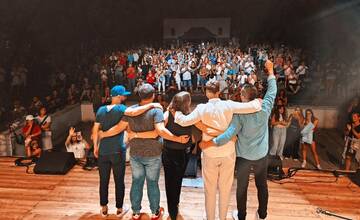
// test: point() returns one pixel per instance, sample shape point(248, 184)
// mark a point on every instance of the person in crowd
point(283, 97)
point(293, 82)
point(35, 105)
point(251, 146)
point(18, 111)
point(354, 107)
point(96, 98)
point(56, 101)
point(86, 95)
point(217, 163)
point(301, 72)
point(44, 121)
point(203, 78)
point(31, 130)
point(111, 151)
point(160, 79)
point(106, 98)
point(307, 139)
point(145, 154)
point(73, 95)
point(292, 143)
point(76, 144)
point(353, 142)
point(150, 77)
point(131, 77)
point(33, 149)
point(279, 124)
point(139, 83)
point(186, 79)
point(172, 90)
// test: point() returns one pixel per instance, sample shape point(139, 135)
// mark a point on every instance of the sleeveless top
point(294, 124)
point(177, 130)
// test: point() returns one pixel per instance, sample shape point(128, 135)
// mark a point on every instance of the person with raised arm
point(251, 146)
point(217, 163)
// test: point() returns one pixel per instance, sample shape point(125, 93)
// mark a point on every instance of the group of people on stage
point(230, 130)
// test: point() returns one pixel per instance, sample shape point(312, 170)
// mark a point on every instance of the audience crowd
point(188, 68)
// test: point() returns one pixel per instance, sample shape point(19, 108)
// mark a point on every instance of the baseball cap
point(29, 118)
point(119, 90)
point(146, 91)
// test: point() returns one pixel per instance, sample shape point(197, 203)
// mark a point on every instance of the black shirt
point(178, 131)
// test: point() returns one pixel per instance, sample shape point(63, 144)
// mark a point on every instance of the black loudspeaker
point(355, 178)
point(54, 163)
point(275, 169)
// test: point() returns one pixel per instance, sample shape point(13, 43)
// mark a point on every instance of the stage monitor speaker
point(275, 169)
point(355, 178)
point(54, 163)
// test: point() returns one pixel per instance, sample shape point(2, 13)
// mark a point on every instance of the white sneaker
point(121, 212)
point(318, 167)
point(303, 165)
point(235, 215)
point(281, 157)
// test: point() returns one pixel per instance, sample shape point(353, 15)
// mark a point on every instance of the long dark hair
point(181, 102)
point(313, 118)
point(277, 113)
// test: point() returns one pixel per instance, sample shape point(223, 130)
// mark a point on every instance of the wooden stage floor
point(75, 196)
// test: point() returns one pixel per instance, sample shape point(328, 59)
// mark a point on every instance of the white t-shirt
point(242, 79)
point(301, 70)
point(40, 119)
point(77, 148)
point(187, 75)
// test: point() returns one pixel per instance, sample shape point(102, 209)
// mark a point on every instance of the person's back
point(217, 113)
point(253, 129)
point(108, 118)
point(142, 123)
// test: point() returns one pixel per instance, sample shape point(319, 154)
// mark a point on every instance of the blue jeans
point(149, 168)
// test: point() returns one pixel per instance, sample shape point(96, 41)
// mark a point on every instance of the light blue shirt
point(252, 129)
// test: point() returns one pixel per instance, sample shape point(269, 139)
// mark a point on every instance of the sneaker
point(318, 167)
point(286, 158)
point(303, 165)
point(281, 157)
point(235, 215)
point(122, 211)
point(158, 215)
point(258, 217)
point(295, 159)
point(136, 217)
point(104, 211)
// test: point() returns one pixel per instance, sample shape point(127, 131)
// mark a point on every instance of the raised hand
point(71, 131)
point(269, 67)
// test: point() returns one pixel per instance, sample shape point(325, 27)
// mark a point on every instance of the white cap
point(29, 118)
